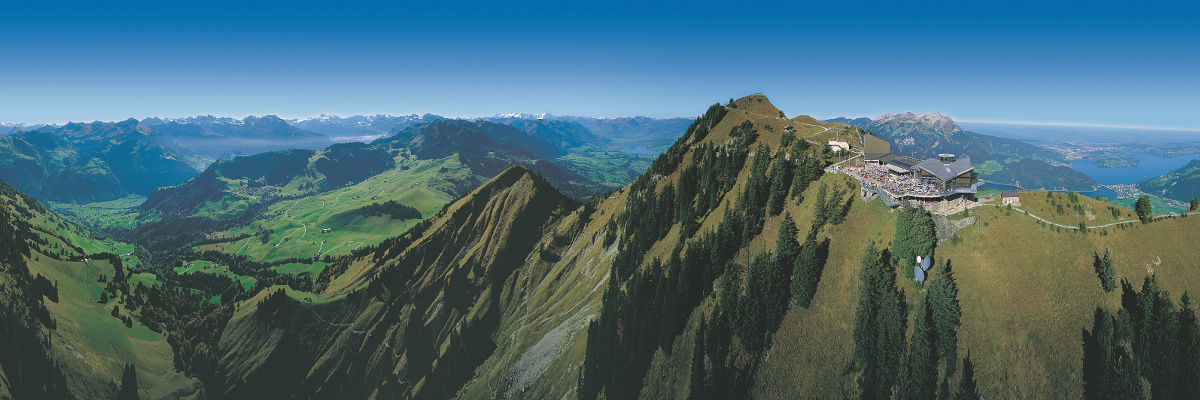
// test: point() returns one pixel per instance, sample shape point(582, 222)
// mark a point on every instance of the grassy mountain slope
point(87, 346)
point(423, 313)
point(1021, 319)
point(542, 342)
point(1181, 184)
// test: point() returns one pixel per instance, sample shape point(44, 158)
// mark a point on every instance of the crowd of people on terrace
point(899, 185)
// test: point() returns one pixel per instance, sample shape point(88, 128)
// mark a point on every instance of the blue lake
point(1149, 166)
point(1106, 192)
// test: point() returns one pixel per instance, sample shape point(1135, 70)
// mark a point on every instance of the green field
point(296, 226)
point(120, 213)
point(608, 168)
point(208, 267)
point(95, 346)
point(1158, 204)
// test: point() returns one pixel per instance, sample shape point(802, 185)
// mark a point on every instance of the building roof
point(946, 172)
point(1010, 193)
point(897, 160)
point(873, 156)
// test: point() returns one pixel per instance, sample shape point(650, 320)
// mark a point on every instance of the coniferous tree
point(865, 334)
point(763, 304)
point(1188, 377)
point(696, 384)
point(879, 326)
point(835, 210)
point(806, 271)
point(781, 181)
point(819, 209)
point(1097, 356)
point(787, 249)
point(943, 302)
point(1195, 205)
point(967, 387)
point(1104, 270)
point(922, 360)
point(892, 320)
point(129, 387)
point(1143, 209)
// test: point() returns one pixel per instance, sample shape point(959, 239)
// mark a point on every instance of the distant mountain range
point(11, 128)
point(213, 136)
point(629, 134)
point(362, 128)
point(999, 160)
point(84, 162)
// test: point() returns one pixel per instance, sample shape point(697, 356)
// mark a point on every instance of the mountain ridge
point(1000, 160)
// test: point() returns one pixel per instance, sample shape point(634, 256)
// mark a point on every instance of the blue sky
point(1099, 63)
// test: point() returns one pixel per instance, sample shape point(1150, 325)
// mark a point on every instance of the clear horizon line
point(1080, 124)
point(292, 118)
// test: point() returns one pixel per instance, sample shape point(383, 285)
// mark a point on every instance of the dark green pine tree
point(753, 202)
point(1104, 270)
point(1188, 377)
point(685, 200)
point(1097, 356)
point(865, 333)
point(1195, 206)
point(922, 360)
point(1143, 209)
point(1163, 348)
point(947, 315)
point(781, 181)
point(696, 384)
point(819, 209)
point(806, 271)
point(764, 303)
point(967, 387)
point(892, 320)
point(129, 386)
point(835, 210)
point(879, 326)
point(924, 234)
point(901, 245)
point(787, 249)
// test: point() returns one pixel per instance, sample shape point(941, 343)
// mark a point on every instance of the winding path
point(1097, 226)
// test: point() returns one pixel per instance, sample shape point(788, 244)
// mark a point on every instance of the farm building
point(1010, 197)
